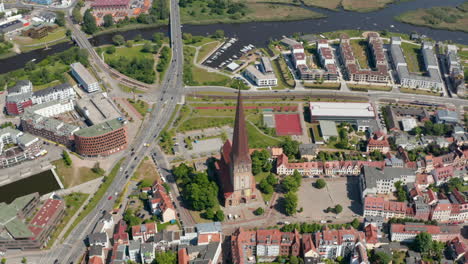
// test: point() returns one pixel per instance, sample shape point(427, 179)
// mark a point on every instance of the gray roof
point(371, 123)
point(134, 245)
point(328, 128)
point(308, 149)
point(372, 174)
point(50, 124)
point(17, 87)
point(165, 235)
point(19, 97)
point(204, 253)
point(83, 73)
point(95, 250)
point(11, 26)
point(214, 227)
point(47, 15)
point(447, 115)
point(97, 238)
point(56, 88)
point(146, 248)
point(267, 64)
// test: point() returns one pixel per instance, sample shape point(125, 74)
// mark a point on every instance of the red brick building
point(110, 5)
point(102, 139)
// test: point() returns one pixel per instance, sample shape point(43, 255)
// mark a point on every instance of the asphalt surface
point(170, 93)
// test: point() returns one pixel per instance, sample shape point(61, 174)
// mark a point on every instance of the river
point(259, 33)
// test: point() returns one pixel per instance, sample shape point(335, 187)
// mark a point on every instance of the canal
point(43, 183)
point(259, 33)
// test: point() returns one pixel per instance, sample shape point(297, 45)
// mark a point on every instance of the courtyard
point(343, 191)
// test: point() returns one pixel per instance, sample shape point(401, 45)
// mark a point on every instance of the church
point(235, 166)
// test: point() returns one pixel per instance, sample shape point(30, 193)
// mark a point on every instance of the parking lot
point(343, 191)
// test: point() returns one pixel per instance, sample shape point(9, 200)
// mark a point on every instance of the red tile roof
point(45, 216)
point(371, 232)
point(105, 3)
point(95, 260)
point(182, 256)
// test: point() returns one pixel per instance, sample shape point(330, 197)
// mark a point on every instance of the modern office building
point(84, 77)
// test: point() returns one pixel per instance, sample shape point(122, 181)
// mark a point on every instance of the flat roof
point(328, 128)
point(100, 129)
point(98, 108)
point(83, 73)
point(342, 109)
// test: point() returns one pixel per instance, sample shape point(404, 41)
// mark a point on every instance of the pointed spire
point(240, 144)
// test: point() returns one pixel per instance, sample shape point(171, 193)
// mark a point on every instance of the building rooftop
point(83, 72)
point(267, 64)
point(372, 175)
point(97, 108)
point(104, 3)
point(342, 109)
point(328, 128)
point(260, 75)
point(17, 87)
point(214, 227)
point(100, 129)
point(56, 88)
point(50, 124)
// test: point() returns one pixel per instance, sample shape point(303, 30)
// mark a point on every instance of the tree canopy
point(89, 23)
point(290, 203)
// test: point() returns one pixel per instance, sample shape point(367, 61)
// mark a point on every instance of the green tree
point(76, 14)
point(290, 147)
point(108, 20)
point(219, 216)
point(320, 184)
point(423, 242)
point(355, 223)
point(380, 257)
point(290, 203)
point(24, 260)
point(97, 169)
point(400, 191)
point(218, 34)
point(118, 40)
point(110, 50)
point(271, 179)
point(338, 209)
point(158, 38)
point(147, 48)
point(60, 19)
point(66, 158)
point(3, 261)
point(138, 38)
point(128, 44)
point(209, 213)
point(293, 260)
point(289, 184)
point(259, 211)
point(265, 187)
point(89, 23)
point(167, 257)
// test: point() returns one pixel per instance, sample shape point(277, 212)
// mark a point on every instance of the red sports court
point(288, 124)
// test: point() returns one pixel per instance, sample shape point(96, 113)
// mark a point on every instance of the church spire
point(240, 144)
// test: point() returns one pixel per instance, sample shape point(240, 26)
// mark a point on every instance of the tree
point(110, 50)
point(97, 169)
point(338, 209)
point(108, 20)
point(24, 260)
point(219, 216)
point(259, 211)
point(118, 40)
point(89, 23)
point(290, 147)
point(3, 261)
point(167, 257)
point(271, 179)
point(77, 14)
point(209, 214)
point(265, 187)
point(320, 184)
point(218, 34)
point(60, 19)
point(147, 48)
point(293, 260)
point(30, 66)
point(290, 203)
point(128, 44)
point(400, 191)
point(355, 223)
point(158, 37)
point(68, 33)
point(423, 242)
point(289, 184)
point(66, 158)
point(380, 257)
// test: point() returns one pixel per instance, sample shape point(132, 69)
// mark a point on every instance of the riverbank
point(361, 6)
point(197, 13)
point(447, 18)
point(131, 27)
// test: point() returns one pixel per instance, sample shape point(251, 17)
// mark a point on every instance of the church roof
point(240, 144)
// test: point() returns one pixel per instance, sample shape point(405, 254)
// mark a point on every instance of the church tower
point(241, 165)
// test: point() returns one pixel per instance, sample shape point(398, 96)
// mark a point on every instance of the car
point(110, 198)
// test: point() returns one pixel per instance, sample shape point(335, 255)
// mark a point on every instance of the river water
point(259, 33)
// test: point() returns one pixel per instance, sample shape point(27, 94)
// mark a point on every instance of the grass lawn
point(365, 88)
point(434, 17)
point(330, 4)
point(71, 176)
point(256, 11)
point(418, 91)
point(96, 198)
point(285, 80)
point(56, 35)
point(258, 140)
point(413, 57)
point(359, 47)
point(146, 171)
point(133, 52)
point(331, 86)
point(162, 226)
point(127, 89)
point(398, 257)
point(141, 106)
point(316, 132)
point(73, 202)
point(364, 5)
point(47, 85)
point(206, 49)
point(205, 122)
point(203, 76)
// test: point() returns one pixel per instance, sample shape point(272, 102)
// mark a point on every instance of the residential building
point(408, 124)
point(335, 243)
point(102, 139)
point(96, 255)
point(61, 92)
point(396, 113)
point(110, 5)
point(407, 232)
point(144, 232)
point(341, 112)
point(308, 248)
point(47, 17)
point(261, 78)
point(147, 253)
point(378, 142)
point(134, 251)
point(456, 70)
point(49, 128)
point(17, 147)
point(382, 181)
point(308, 151)
point(355, 72)
point(120, 234)
point(328, 71)
point(161, 203)
point(190, 254)
point(310, 168)
point(359, 254)
point(99, 239)
point(235, 167)
point(458, 248)
point(430, 81)
point(379, 207)
point(441, 211)
point(52, 108)
point(84, 77)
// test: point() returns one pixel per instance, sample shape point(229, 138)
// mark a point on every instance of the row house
point(331, 244)
point(378, 142)
point(408, 232)
point(441, 211)
point(378, 206)
point(144, 232)
point(161, 204)
point(283, 167)
point(459, 211)
point(382, 181)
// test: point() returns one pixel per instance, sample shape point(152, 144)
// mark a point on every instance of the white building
point(376, 181)
point(259, 78)
point(408, 124)
point(60, 92)
point(84, 77)
point(53, 108)
point(134, 250)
